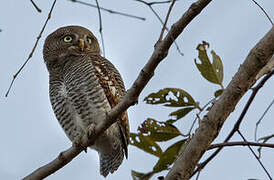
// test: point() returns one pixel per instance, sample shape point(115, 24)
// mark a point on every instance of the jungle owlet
point(83, 87)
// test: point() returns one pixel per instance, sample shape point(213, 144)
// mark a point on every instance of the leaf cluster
point(152, 131)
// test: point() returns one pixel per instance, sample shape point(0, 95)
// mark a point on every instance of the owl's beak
point(81, 44)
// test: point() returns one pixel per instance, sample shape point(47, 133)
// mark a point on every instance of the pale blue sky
point(30, 134)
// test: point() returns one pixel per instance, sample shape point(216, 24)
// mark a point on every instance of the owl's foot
point(78, 143)
point(91, 130)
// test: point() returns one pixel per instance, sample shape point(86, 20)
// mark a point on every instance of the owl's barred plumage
point(83, 87)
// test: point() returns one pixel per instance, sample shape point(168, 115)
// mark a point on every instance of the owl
point(83, 87)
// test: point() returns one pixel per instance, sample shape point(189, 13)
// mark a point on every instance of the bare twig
point(36, 7)
point(131, 97)
point(157, 2)
point(261, 118)
point(264, 139)
point(100, 27)
point(254, 154)
point(33, 49)
point(198, 115)
point(198, 175)
point(268, 17)
point(239, 121)
point(162, 22)
point(167, 16)
point(240, 143)
point(109, 10)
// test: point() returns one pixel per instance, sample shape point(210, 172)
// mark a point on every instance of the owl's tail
point(111, 162)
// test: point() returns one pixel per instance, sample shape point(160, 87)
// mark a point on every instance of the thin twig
point(258, 159)
point(33, 49)
point(36, 7)
point(109, 10)
point(198, 175)
point(167, 16)
point(268, 17)
point(156, 2)
point(237, 124)
point(264, 139)
point(162, 22)
point(261, 118)
point(240, 143)
point(100, 27)
point(198, 115)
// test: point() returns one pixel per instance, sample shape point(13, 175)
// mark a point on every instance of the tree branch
point(212, 122)
point(131, 98)
point(240, 143)
point(266, 69)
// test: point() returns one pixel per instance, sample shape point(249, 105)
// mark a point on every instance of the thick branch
point(266, 69)
point(211, 124)
point(240, 143)
point(160, 52)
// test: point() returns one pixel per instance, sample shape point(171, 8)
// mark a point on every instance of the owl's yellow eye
point(67, 39)
point(89, 40)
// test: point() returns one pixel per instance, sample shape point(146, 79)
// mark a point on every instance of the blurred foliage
point(152, 131)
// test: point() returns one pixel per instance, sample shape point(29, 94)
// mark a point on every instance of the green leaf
point(181, 112)
point(172, 97)
point(218, 92)
point(157, 130)
point(211, 72)
point(218, 66)
point(141, 176)
point(146, 144)
point(169, 156)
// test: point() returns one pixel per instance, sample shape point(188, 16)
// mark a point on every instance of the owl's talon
point(78, 143)
point(91, 130)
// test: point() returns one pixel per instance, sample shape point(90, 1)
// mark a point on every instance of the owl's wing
point(113, 85)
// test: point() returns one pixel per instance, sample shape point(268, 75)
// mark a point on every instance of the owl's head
point(68, 41)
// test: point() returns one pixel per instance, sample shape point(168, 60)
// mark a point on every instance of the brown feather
point(113, 86)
